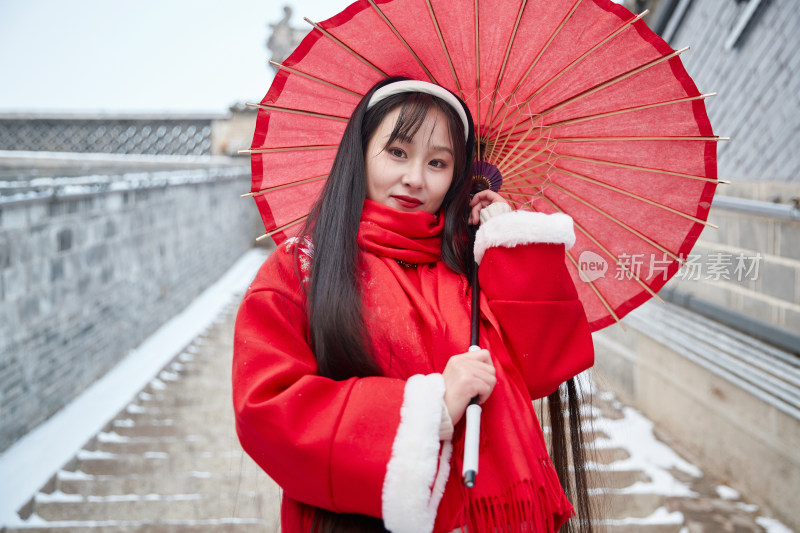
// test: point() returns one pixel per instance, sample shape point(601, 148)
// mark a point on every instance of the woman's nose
point(414, 176)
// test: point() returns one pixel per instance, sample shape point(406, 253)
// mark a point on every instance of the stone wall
point(88, 271)
point(749, 265)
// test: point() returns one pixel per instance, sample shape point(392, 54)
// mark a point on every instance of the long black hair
point(336, 324)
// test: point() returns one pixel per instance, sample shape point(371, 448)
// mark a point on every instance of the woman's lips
point(407, 201)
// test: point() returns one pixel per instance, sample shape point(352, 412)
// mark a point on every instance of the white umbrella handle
point(472, 436)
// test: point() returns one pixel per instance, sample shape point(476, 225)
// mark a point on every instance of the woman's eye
point(438, 164)
point(397, 152)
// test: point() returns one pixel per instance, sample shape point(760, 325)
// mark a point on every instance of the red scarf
point(419, 316)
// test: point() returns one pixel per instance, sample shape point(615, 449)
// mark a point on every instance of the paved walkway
point(170, 462)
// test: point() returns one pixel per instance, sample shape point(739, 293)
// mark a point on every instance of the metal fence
point(151, 136)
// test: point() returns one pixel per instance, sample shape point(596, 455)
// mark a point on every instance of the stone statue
point(284, 39)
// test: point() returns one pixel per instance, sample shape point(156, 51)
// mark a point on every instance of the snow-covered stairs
point(170, 462)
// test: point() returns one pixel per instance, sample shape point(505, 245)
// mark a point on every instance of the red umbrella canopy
point(578, 105)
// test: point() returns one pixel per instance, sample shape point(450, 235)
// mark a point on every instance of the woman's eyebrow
point(443, 149)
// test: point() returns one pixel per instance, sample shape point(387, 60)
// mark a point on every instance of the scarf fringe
point(528, 507)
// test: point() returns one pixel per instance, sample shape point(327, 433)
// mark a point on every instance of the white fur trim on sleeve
point(524, 227)
point(417, 472)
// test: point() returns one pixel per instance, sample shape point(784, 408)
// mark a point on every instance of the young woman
point(351, 373)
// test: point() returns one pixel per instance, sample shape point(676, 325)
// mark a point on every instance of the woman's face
point(410, 175)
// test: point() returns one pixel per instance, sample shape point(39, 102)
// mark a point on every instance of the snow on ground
point(772, 526)
point(32, 460)
point(634, 433)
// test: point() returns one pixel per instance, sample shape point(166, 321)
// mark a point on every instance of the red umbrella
point(578, 105)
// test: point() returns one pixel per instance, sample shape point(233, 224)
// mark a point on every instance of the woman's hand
point(479, 201)
point(467, 375)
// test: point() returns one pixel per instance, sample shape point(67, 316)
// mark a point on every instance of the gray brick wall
point(757, 81)
point(84, 278)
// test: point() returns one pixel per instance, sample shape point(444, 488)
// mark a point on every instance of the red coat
point(371, 445)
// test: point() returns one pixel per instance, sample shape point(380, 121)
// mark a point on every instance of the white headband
point(414, 86)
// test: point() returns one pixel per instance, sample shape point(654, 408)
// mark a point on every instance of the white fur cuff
point(417, 473)
point(524, 227)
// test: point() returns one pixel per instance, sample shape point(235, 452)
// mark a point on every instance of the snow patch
point(634, 433)
point(748, 507)
point(166, 375)
point(90, 455)
point(156, 455)
point(77, 475)
point(772, 526)
point(728, 493)
point(58, 497)
point(659, 517)
point(112, 437)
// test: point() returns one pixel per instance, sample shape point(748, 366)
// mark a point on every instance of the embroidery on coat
point(305, 255)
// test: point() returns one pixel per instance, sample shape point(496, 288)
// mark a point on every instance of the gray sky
point(139, 56)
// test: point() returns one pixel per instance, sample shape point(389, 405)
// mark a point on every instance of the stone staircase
point(171, 462)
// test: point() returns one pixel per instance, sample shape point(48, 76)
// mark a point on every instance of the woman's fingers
point(468, 375)
point(481, 200)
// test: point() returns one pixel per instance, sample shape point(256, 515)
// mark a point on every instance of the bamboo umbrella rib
point(347, 48)
point(637, 167)
point(518, 142)
point(534, 62)
point(608, 252)
point(525, 174)
point(510, 170)
point(614, 80)
point(505, 59)
point(314, 78)
point(586, 54)
point(285, 226)
point(626, 110)
point(640, 138)
point(610, 217)
point(521, 148)
point(289, 149)
point(634, 196)
point(517, 204)
point(629, 272)
point(297, 112)
point(598, 293)
point(444, 47)
point(402, 40)
point(502, 156)
point(570, 66)
point(284, 186)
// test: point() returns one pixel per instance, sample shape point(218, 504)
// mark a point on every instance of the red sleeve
point(543, 323)
point(325, 442)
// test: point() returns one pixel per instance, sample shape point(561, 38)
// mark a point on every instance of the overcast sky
point(140, 56)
